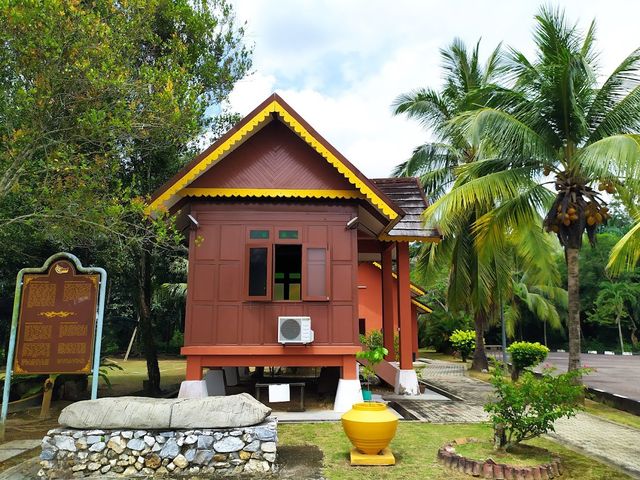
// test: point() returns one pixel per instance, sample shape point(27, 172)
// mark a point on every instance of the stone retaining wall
point(219, 452)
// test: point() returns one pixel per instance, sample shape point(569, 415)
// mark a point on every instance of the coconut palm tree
point(468, 84)
point(556, 126)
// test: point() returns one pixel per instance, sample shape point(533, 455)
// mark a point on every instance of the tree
point(467, 86)
point(103, 101)
point(616, 303)
point(554, 126)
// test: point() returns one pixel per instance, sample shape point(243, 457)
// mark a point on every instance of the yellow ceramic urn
point(370, 426)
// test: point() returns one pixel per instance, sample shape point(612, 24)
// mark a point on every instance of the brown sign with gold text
point(57, 321)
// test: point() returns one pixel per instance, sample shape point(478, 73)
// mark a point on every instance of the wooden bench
point(260, 386)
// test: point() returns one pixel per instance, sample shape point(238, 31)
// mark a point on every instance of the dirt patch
point(300, 462)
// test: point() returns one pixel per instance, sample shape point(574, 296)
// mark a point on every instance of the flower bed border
point(499, 471)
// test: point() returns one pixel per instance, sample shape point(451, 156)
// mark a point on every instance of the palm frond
point(625, 255)
point(614, 156)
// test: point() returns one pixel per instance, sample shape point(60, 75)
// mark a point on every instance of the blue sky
point(340, 63)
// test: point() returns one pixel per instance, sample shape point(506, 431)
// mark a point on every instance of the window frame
point(268, 296)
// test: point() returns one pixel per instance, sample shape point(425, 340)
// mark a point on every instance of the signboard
point(56, 326)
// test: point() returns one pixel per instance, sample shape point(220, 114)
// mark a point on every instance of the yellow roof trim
point(417, 290)
point(421, 305)
point(268, 192)
point(217, 154)
point(392, 238)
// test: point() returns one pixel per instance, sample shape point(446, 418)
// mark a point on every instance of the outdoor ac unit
point(294, 330)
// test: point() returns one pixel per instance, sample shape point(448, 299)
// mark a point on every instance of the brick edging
point(499, 471)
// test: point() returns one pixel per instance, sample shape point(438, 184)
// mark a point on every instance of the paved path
point(613, 373)
point(16, 447)
point(613, 443)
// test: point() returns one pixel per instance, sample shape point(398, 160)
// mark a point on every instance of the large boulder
point(151, 413)
point(219, 412)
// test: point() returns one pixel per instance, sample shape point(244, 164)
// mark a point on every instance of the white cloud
point(340, 64)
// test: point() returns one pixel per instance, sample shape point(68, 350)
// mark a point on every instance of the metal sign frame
point(16, 314)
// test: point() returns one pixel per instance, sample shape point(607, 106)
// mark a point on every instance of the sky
point(341, 63)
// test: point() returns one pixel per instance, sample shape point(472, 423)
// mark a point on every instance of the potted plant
point(373, 353)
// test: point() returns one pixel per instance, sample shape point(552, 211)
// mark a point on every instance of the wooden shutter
point(315, 273)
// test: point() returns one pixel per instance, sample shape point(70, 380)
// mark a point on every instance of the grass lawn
point(415, 447)
point(519, 455)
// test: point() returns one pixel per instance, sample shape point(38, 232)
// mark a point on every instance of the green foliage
point(436, 328)
point(463, 342)
point(529, 407)
point(618, 303)
point(525, 355)
point(373, 354)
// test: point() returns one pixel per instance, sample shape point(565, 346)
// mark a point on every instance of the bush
point(525, 355)
point(464, 342)
point(373, 339)
point(528, 408)
point(435, 329)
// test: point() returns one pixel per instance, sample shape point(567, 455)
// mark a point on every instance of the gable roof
point(407, 193)
point(273, 107)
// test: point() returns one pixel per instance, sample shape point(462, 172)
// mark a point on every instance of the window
point(287, 272)
point(259, 234)
point(259, 267)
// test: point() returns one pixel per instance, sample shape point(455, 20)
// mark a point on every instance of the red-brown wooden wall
point(217, 312)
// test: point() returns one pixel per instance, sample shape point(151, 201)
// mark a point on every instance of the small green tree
point(373, 354)
point(615, 304)
point(463, 342)
point(525, 355)
point(528, 408)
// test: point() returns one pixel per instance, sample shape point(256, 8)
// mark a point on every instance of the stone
point(117, 444)
point(118, 413)
point(228, 444)
point(205, 441)
point(253, 446)
point(180, 461)
point(149, 440)
point(235, 433)
point(162, 471)
point(157, 447)
point(170, 449)
point(160, 439)
point(147, 471)
point(136, 444)
point(97, 447)
point(219, 412)
point(94, 457)
point(127, 434)
point(94, 432)
point(203, 457)
point(93, 466)
point(105, 469)
point(257, 455)
point(91, 439)
point(79, 467)
point(268, 447)
point(62, 442)
point(221, 465)
point(82, 455)
point(153, 461)
point(220, 457)
point(130, 471)
point(139, 434)
point(190, 454)
point(269, 457)
point(81, 444)
point(171, 467)
point(266, 433)
point(245, 455)
point(256, 466)
point(138, 465)
point(47, 454)
point(190, 439)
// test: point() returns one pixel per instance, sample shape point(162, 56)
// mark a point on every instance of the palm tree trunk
point(480, 361)
point(619, 322)
point(573, 324)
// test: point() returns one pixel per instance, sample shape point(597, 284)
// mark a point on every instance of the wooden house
point(279, 221)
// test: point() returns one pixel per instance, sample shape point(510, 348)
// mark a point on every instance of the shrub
point(525, 355)
point(464, 342)
point(528, 408)
point(373, 339)
point(373, 354)
point(435, 329)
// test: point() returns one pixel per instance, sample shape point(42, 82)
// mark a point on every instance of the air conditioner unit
point(294, 330)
